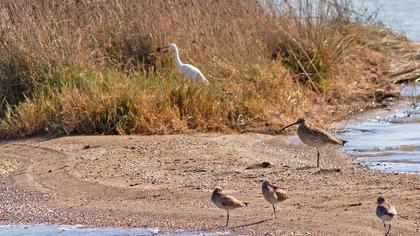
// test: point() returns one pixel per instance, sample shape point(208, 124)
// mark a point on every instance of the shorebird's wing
point(230, 201)
point(392, 210)
point(281, 194)
point(385, 210)
point(326, 137)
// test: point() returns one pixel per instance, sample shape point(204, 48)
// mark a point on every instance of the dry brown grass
point(78, 66)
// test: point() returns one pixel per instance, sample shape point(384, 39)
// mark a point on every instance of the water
point(390, 142)
point(399, 15)
point(79, 230)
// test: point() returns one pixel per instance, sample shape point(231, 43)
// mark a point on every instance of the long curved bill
point(287, 126)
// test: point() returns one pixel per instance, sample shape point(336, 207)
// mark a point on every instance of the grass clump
point(83, 101)
point(91, 67)
point(315, 41)
point(18, 76)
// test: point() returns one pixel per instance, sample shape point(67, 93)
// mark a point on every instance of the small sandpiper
point(385, 212)
point(314, 137)
point(273, 194)
point(226, 202)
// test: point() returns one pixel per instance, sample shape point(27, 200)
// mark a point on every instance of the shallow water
point(390, 142)
point(399, 15)
point(79, 230)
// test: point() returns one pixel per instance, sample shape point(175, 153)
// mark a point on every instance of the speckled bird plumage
point(224, 201)
point(273, 194)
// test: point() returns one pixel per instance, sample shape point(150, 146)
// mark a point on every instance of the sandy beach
point(97, 67)
point(166, 181)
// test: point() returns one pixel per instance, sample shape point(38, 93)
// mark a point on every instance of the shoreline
point(109, 77)
point(165, 182)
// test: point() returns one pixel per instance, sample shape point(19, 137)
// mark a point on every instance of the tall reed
point(81, 66)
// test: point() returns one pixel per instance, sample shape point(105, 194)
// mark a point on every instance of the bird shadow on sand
point(328, 171)
point(224, 227)
point(320, 170)
point(306, 168)
point(249, 224)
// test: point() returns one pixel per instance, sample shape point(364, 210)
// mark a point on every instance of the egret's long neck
point(177, 60)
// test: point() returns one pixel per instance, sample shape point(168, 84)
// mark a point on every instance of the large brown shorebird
point(224, 201)
point(273, 194)
point(314, 137)
point(385, 212)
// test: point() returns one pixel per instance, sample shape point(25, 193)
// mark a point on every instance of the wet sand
point(166, 181)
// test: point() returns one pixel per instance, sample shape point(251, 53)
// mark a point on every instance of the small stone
point(261, 165)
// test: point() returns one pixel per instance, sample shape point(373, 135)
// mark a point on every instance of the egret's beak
point(287, 126)
point(162, 49)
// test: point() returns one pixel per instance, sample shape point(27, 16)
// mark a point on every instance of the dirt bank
point(166, 182)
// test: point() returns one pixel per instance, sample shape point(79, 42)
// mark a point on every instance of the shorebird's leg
point(385, 229)
point(227, 217)
point(389, 229)
point(317, 159)
point(274, 208)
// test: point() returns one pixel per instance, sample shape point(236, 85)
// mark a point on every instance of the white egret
point(190, 72)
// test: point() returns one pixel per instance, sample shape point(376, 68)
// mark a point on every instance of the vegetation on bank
point(82, 66)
